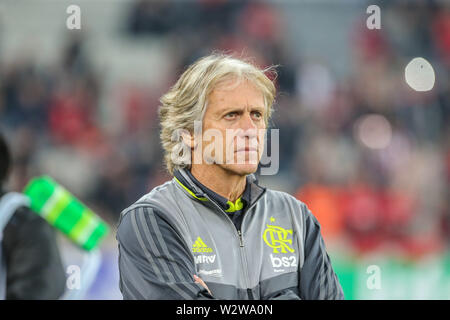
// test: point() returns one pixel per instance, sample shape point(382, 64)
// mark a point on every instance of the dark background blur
point(369, 155)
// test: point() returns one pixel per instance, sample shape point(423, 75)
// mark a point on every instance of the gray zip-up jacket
point(177, 230)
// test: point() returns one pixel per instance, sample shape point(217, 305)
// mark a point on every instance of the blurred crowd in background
point(369, 155)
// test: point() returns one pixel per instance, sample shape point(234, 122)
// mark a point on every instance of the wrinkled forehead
point(231, 82)
point(235, 93)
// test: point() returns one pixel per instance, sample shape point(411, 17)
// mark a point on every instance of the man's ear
point(188, 139)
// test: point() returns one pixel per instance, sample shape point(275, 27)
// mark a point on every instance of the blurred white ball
point(419, 75)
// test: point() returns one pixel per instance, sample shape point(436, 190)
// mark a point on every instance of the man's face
point(236, 115)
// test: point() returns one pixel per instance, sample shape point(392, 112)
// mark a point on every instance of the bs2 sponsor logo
point(280, 240)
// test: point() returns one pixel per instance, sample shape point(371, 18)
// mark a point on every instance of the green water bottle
point(65, 212)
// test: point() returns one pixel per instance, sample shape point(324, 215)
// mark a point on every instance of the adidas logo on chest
point(200, 246)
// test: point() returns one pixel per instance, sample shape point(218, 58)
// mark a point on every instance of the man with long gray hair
point(212, 232)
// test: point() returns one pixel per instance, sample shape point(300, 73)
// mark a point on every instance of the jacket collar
point(200, 192)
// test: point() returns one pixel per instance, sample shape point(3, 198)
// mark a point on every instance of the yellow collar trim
point(238, 205)
point(190, 192)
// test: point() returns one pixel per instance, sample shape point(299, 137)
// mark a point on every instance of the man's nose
point(248, 125)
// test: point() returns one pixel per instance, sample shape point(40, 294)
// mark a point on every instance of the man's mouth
point(248, 149)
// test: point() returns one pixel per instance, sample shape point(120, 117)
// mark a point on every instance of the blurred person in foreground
point(30, 262)
point(212, 232)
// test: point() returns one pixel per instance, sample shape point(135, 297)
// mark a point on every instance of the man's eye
point(230, 115)
point(257, 114)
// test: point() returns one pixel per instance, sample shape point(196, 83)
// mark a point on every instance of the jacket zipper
point(244, 262)
point(241, 244)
